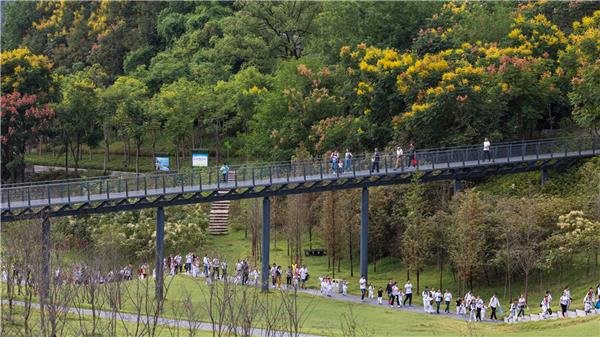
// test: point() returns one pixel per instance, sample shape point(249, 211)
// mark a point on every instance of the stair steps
point(218, 223)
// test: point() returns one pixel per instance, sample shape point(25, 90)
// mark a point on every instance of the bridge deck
point(26, 198)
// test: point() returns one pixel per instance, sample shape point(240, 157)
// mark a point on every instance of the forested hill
point(272, 80)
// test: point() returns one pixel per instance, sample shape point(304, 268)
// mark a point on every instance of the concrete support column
point(364, 232)
point(458, 186)
point(45, 286)
point(545, 176)
point(266, 243)
point(160, 251)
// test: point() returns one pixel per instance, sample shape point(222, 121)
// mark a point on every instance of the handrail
point(269, 164)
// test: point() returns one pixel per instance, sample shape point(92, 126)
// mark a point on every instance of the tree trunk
point(350, 255)
point(106, 150)
point(418, 285)
point(66, 159)
point(138, 146)
point(526, 284)
point(441, 273)
point(128, 146)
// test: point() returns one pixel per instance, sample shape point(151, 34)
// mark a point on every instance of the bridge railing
point(211, 178)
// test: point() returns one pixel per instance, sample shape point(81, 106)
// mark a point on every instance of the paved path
point(169, 322)
point(413, 308)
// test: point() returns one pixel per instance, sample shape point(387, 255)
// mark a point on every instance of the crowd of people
point(470, 306)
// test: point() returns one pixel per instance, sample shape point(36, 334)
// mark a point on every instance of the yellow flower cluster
point(378, 60)
point(254, 90)
point(416, 107)
point(34, 61)
point(363, 88)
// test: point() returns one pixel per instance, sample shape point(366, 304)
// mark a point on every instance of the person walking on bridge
point(412, 160)
point(486, 149)
point(399, 158)
point(224, 171)
point(347, 161)
point(375, 161)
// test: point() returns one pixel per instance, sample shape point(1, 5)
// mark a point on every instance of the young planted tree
point(177, 104)
point(124, 105)
point(417, 238)
point(76, 115)
point(468, 236)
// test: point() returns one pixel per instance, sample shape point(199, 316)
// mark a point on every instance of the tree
point(579, 234)
point(417, 238)
point(126, 102)
point(177, 104)
point(24, 119)
point(27, 73)
point(468, 237)
point(76, 115)
point(581, 61)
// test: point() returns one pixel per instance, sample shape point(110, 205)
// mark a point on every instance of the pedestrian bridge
point(102, 195)
point(109, 194)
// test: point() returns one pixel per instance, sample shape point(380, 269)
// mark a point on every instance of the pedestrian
point(514, 307)
point(288, 277)
point(545, 305)
point(371, 291)
point(344, 287)
point(522, 305)
point(380, 296)
point(426, 300)
point(334, 158)
point(438, 300)
point(399, 158)
point(588, 302)
point(363, 287)
point(493, 305)
point(347, 161)
point(303, 276)
point(478, 308)
point(472, 311)
point(375, 161)
point(567, 292)
point(412, 158)
point(447, 299)
point(395, 295)
point(408, 293)
point(224, 171)
point(461, 308)
point(486, 150)
point(564, 304)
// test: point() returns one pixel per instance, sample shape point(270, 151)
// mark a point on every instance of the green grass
point(234, 246)
point(73, 323)
point(325, 316)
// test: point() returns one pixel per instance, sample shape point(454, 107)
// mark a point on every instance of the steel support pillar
point(545, 176)
point(45, 286)
point(160, 251)
point(364, 232)
point(458, 186)
point(266, 243)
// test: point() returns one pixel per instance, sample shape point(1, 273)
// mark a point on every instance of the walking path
point(414, 308)
point(170, 322)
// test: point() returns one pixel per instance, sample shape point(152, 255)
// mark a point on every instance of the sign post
point(199, 158)
point(161, 162)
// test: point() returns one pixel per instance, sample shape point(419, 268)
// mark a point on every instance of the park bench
point(315, 252)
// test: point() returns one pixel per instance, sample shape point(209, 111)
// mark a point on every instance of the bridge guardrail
point(294, 171)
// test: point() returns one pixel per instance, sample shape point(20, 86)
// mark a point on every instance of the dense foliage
point(262, 79)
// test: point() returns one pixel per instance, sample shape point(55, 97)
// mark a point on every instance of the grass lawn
point(234, 246)
point(324, 317)
point(72, 326)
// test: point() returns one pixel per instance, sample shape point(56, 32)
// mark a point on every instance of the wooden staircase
point(218, 223)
